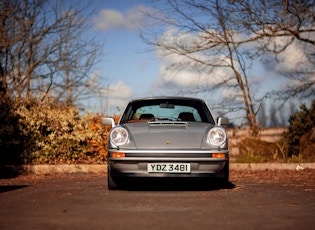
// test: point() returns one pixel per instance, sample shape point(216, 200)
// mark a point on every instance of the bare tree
point(229, 35)
point(273, 116)
point(278, 26)
point(215, 43)
point(9, 37)
point(74, 60)
point(262, 117)
point(45, 48)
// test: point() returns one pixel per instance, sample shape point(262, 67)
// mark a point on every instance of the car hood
point(167, 135)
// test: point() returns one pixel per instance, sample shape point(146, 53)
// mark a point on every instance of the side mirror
point(108, 121)
point(223, 121)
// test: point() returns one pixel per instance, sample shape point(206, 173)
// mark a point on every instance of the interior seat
point(146, 116)
point(186, 116)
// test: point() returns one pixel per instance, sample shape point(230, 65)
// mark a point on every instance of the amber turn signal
point(218, 155)
point(118, 155)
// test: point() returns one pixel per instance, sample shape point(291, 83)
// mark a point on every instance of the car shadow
point(7, 172)
point(8, 188)
point(172, 185)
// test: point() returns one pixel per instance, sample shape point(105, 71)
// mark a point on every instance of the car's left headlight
point(119, 136)
point(216, 136)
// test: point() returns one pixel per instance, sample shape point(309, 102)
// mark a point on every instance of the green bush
point(300, 123)
point(255, 150)
point(54, 133)
point(11, 138)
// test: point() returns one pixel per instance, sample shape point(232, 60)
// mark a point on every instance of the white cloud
point(190, 74)
point(109, 19)
point(120, 90)
point(291, 58)
point(131, 19)
point(231, 94)
point(118, 96)
point(111, 100)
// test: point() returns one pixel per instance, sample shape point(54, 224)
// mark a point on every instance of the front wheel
point(111, 184)
point(225, 180)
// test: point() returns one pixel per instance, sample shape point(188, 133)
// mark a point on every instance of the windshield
point(167, 110)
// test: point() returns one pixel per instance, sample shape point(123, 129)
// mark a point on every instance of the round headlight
point(216, 136)
point(119, 136)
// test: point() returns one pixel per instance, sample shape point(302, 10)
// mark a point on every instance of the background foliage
point(290, 148)
point(51, 132)
point(300, 123)
point(49, 52)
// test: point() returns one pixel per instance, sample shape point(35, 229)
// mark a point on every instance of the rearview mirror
point(223, 121)
point(108, 121)
point(167, 106)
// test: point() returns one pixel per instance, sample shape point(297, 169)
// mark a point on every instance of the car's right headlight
point(217, 136)
point(119, 136)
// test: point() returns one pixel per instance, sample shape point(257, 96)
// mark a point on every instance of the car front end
point(167, 149)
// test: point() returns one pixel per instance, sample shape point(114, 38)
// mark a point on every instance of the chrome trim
point(167, 123)
point(171, 159)
point(169, 151)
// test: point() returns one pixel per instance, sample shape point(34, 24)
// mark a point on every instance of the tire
point(225, 179)
point(111, 184)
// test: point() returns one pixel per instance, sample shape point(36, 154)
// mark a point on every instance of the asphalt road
point(254, 200)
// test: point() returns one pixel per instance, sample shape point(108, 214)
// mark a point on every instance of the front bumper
point(135, 164)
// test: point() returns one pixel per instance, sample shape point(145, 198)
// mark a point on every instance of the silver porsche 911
point(168, 137)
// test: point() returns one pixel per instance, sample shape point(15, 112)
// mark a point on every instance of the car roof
point(167, 97)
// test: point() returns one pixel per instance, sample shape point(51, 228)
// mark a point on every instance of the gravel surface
point(257, 199)
point(305, 179)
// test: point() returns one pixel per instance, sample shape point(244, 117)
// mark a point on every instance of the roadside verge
point(102, 168)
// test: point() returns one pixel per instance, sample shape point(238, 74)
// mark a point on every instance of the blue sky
point(129, 70)
point(127, 66)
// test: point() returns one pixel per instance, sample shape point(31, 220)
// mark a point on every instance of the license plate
point(168, 167)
